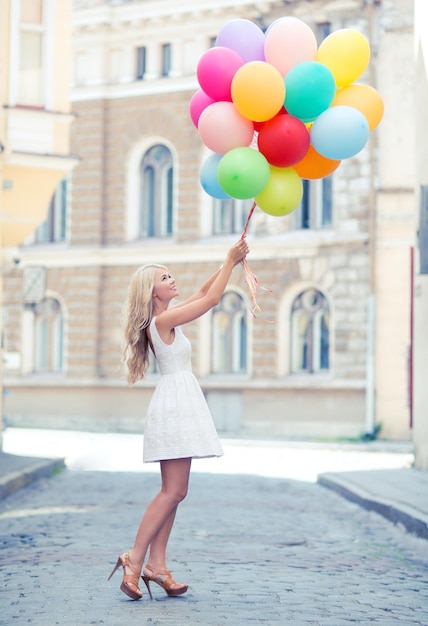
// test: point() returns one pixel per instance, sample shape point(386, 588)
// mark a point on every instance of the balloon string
point(250, 277)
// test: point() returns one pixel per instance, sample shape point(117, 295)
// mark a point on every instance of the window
point(156, 193)
point(315, 209)
point(48, 336)
point(229, 335)
point(230, 216)
point(310, 326)
point(30, 65)
point(55, 227)
point(323, 29)
point(423, 230)
point(166, 59)
point(141, 63)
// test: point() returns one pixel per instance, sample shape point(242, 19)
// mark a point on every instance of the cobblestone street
point(254, 550)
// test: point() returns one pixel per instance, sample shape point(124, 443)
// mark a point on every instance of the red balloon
point(283, 140)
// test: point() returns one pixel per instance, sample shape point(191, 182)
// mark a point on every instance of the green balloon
point(243, 173)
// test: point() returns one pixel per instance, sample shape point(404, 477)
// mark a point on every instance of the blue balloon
point(340, 132)
point(209, 180)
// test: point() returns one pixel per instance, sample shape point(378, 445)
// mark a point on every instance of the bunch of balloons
point(275, 107)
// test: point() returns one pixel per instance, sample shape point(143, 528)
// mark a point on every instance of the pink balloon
point(222, 128)
point(198, 103)
point(289, 41)
point(215, 71)
point(245, 37)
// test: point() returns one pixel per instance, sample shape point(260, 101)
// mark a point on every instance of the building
point(329, 354)
point(420, 332)
point(35, 120)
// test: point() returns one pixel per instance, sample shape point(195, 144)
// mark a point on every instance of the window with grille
point(230, 215)
point(229, 335)
point(156, 193)
point(48, 336)
point(310, 329)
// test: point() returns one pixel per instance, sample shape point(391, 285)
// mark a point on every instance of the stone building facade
point(35, 123)
point(328, 356)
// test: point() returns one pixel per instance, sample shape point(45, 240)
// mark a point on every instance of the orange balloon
point(314, 165)
point(364, 98)
point(258, 91)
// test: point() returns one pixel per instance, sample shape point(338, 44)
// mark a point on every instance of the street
point(254, 549)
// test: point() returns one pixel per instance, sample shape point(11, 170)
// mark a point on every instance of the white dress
point(178, 421)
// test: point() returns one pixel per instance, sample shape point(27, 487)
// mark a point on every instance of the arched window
point(48, 336)
point(229, 335)
point(310, 325)
point(156, 193)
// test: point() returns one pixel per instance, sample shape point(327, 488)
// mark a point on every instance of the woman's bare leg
point(156, 525)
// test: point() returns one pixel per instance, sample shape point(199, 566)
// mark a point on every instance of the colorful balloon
point(314, 165)
point(284, 140)
point(289, 41)
point(209, 180)
point(244, 37)
point(215, 71)
point(243, 173)
point(309, 90)
point(283, 192)
point(364, 98)
point(340, 132)
point(198, 103)
point(346, 53)
point(221, 128)
point(258, 91)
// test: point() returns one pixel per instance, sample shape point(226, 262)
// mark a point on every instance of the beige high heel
point(164, 579)
point(129, 584)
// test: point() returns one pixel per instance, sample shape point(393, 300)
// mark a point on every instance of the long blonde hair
point(138, 313)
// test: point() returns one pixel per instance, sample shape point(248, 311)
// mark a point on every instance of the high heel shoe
point(164, 579)
point(129, 584)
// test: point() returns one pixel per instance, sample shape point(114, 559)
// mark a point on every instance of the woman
point(178, 425)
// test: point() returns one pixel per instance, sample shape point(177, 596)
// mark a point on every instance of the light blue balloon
point(340, 132)
point(209, 180)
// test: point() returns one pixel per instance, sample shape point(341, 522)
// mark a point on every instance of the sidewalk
point(17, 472)
point(398, 493)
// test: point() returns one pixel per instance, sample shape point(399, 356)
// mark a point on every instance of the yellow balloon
point(346, 53)
point(364, 98)
point(258, 91)
point(283, 192)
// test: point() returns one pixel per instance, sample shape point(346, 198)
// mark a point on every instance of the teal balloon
point(340, 132)
point(309, 90)
point(209, 180)
point(243, 173)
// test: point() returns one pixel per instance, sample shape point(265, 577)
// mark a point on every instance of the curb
point(413, 521)
point(30, 473)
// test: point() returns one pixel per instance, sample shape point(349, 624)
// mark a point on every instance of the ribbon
point(250, 277)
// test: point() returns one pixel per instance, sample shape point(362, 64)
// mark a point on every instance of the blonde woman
point(178, 424)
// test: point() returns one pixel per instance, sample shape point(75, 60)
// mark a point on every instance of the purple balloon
point(245, 38)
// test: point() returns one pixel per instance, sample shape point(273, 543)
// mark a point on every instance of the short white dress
point(178, 421)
